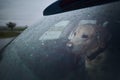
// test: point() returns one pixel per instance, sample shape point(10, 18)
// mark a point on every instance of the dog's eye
point(74, 33)
point(84, 36)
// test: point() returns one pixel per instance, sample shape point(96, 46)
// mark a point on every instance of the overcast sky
point(23, 12)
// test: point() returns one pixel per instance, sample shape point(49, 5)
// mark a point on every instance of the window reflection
point(55, 31)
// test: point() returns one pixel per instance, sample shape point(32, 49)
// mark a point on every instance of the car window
point(63, 46)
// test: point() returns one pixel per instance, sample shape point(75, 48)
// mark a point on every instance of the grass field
point(7, 33)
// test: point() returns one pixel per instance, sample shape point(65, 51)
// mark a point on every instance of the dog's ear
point(105, 35)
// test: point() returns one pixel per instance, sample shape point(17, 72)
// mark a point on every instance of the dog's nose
point(69, 45)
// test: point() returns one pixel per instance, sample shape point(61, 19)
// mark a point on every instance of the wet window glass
point(81, 44)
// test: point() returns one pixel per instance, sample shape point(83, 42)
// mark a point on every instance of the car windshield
point(49, 49)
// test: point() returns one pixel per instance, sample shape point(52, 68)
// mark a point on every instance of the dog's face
point(87, 39)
